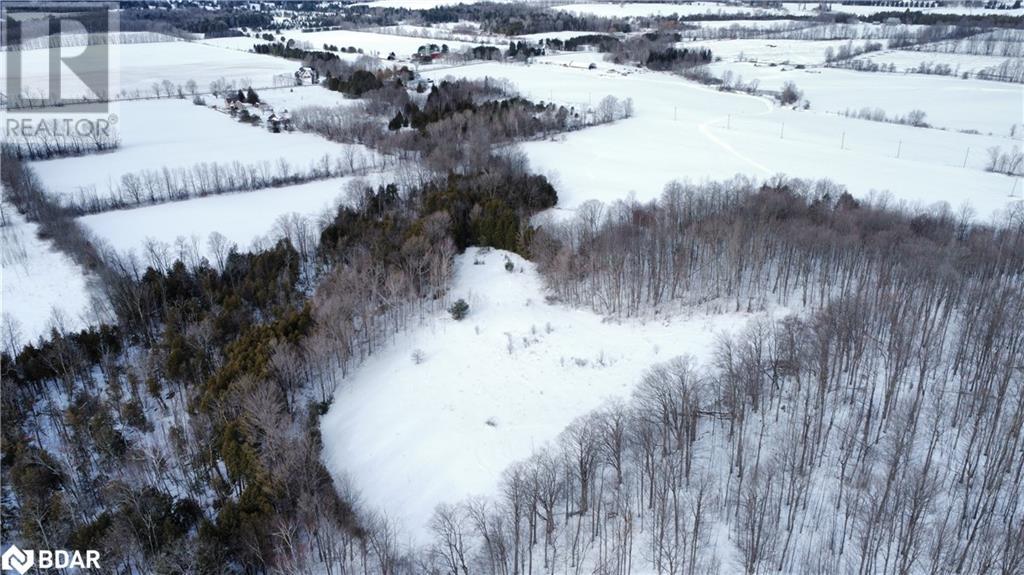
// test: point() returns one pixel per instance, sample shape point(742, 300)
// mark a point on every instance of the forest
point(886, 415)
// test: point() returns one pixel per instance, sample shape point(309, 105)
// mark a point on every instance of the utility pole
point(842, 144)
point(966, 154)
point(899, 149)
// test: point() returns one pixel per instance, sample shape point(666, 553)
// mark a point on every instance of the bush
point(459, 310)
point(509, 266)
point(790, 94)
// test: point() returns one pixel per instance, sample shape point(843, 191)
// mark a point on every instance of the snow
point(417, 4)
point(294, 97)
point(70, 40)
point(135, 67)
point(411, 436)
point(371, 43)
point(630, 9)
point(860, 10)
point(793, 52)
point(912, 59)
point(995, 106)
point(242, 218)
point(176, 133)
point(563, 36)
point(755, 24)
point(445, 31)
point(682, 130)
point(37, 281)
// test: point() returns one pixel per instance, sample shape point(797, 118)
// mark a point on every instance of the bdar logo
point(16, 559)
point(20, 560)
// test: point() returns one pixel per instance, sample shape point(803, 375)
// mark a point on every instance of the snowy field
point(807, 53)
point(135, 67)
point(630, 9)
point(371, 43)
point(911, 59)
point(242, 218)
point(71, 40)
point(491, 389)
point(444, 32)
point(176, 133)
point(995, 106)
point(294, 97)
point(38, 281)
point(685, 131)
point(417, 4)
point(749, 24)
point(860, 10)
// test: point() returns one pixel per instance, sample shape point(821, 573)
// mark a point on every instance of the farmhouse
point(306, 75)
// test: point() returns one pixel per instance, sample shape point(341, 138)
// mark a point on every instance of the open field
point(177, 134)
point(491, 389)
point(907, 60)
point(794, 52)
point(38, 281)
point(136, 67)
point(371, 43)
point(685, 131)
point(242, 218)
point(294, 97)
point(628, 9)
point(861, 10)
point(995, 106)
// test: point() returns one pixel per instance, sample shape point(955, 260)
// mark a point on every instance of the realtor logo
point(15, 559)
point(58, 54)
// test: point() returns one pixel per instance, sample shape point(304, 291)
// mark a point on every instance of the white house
point(306, 75)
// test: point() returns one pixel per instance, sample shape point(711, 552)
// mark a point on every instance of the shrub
point(459, 310)
point(790, 94)
point(418, 356)
point(509, 266)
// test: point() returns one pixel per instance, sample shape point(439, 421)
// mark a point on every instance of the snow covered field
point(755, 24)
point(685, 131)
point(807, 53)
point(904, 60)
point(995, 106)
point(371, 43)
point(490, 390)
point(416, 4)
point(629, 9)
point(176, 133)
point(135, 67)
point(38, 281)
point(294, 97)
point(861, 10)
point(241, 218)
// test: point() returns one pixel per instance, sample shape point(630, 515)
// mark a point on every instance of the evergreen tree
point(459, 310)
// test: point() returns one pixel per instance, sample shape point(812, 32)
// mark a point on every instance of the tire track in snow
point(705, 130)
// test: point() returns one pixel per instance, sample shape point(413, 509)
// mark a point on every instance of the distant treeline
point(928, 18)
